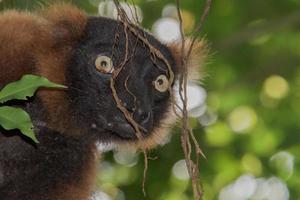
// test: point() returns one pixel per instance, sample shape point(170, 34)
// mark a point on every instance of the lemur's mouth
point(121, 127)
point(126, 131)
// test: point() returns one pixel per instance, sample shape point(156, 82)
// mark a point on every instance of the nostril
point(144, 118)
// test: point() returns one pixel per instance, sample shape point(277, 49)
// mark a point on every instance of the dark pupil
point(160, 81)
point(103, 64)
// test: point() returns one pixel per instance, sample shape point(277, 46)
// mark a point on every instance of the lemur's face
point(142, 85)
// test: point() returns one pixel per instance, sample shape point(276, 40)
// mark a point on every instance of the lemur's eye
point(104, 64)
point(161, 83)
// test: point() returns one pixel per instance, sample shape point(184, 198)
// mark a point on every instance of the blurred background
point(245, 113)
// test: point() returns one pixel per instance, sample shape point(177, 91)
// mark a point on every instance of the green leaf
point(16, 118)
point(25, 88)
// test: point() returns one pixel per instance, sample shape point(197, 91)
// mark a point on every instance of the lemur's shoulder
point(58, 167)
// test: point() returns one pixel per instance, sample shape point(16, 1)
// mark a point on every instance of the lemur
point(63, 44)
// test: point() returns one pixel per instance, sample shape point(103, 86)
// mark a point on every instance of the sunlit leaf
point(25, 88)
point(16, 118)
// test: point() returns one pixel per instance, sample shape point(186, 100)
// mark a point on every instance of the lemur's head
point(114, 67)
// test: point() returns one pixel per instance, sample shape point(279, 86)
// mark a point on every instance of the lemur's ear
point(194, 61)
point(68, 21)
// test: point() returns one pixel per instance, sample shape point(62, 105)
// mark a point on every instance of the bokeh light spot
point(276, 87)
point(188, 20)
point(127, 157)
point(218, 134)
point(242, 119)
point(283, 162)
point(134, 12)
point(251, 164)
point(167, 29)
point(241, 189)
point(179, 184)
point(108, 9)
point(263, 141)
point(180, 170)
point(114, 192)
point(267, 101)
point(271, 189)
point(261, 39)
point(100, 196)
point(170, 10)
point(208, 118)
point(198, 111)
point(107, 171)
point(248, 187)
point(196, 96)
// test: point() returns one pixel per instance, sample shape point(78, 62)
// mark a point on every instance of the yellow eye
point(104, 64)
point(161, 83)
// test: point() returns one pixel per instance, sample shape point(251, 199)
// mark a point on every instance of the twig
point(187, 134)
point(126, 23)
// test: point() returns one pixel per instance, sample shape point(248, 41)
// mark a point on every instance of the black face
point(142, 84)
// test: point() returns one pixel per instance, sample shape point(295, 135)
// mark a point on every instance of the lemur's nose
point(144, 118)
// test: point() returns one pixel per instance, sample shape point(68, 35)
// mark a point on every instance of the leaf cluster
point(17, 118)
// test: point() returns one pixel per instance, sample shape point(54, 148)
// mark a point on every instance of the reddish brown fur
point(83, 189)
point(68, 23)
point(194, 61)
point(41, 44)
point(18, 43)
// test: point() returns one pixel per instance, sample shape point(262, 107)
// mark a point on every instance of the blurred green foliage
point(253, 78)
